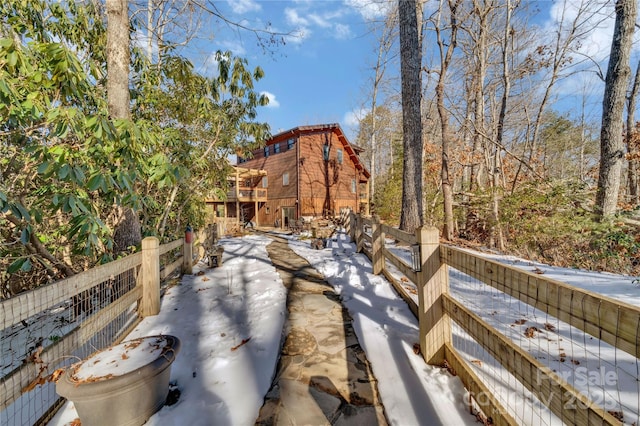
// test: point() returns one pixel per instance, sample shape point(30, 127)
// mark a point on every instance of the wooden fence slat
point(398, 263)
point(397, 285)
point(171, 268)
point(612, 321)
point(485, 399)
point(399, 235)
point(30, 303)
point(171, 246)
point(569, 404)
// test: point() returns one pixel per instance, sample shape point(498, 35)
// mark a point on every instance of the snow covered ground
point(230, 322)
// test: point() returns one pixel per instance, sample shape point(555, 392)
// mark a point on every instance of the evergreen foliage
point(65, 163)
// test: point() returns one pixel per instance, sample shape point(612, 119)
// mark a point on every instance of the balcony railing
point(247, 194)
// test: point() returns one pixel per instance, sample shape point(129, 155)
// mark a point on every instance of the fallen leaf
point(56, 375)
point(244, 341)
point(538, 271)
point(549, 327)
point(476, 362)
point(617, 414)
point(520, 321)
point(530, 332)
point(416, 348)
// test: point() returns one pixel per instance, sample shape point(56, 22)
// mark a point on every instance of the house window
point(353, 186)
point(265, 182)
point(266, 151)
point(339, 156)
point(325, 152)
point(290, 143)
point(276, 148)
point(285, 179)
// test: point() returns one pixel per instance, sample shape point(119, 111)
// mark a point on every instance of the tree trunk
point(611, 138)
point(412, 215)
point(118, 58)
point(632, 172)
point(477, 178)
point(445, 60)
point(127, 229)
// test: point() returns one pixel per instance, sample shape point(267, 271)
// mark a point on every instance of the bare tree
point(445, 60)
point(412, 214)
point(385, 42)
point(632, 171)
point(611, 138)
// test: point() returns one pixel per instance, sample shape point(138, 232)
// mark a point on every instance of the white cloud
point(244, 6)
point(236, 47)
point(369, 9)
point(298, 36)
point(294, 18)
point(352, 118)
point(273, 102)
point(320, 21)
point(342, 31)
point(594, 20)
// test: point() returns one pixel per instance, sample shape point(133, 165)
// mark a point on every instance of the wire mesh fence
point(56, 325)
point(30, 344)
point(599, 371)
point(529, 349)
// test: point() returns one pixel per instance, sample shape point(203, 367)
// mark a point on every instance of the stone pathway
point(323, 375)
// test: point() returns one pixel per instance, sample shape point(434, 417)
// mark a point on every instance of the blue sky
point(319, 74)
point(322, 73)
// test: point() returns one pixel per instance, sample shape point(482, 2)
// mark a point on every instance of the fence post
point(358, 233)
point(352, 226)
point(433, 282)
point(187, 257)
point(150, 302)
point(377, 245)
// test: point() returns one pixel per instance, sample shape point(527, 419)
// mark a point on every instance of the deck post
point(433, 282)
point(150, 301)
point(377, 245)
point(187, 257)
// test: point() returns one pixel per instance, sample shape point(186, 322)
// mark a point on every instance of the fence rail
point(599, 318)
point(49, 327)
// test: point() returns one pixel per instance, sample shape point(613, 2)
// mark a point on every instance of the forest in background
point(522, 157)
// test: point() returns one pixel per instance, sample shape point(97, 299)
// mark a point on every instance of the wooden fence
point(603, 318)
point(92, 310)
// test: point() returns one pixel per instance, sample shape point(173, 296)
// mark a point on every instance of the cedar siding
point(317, 186)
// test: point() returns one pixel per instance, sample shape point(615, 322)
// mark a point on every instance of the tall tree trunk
point(118, 58)
point(611, 138)
point(128, 231)
point(412, 214)
point(477, 178)
point(632, 172)
point(445, 60)
point(496, 170)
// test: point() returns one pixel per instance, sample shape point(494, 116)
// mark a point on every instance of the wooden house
point(311, 172)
